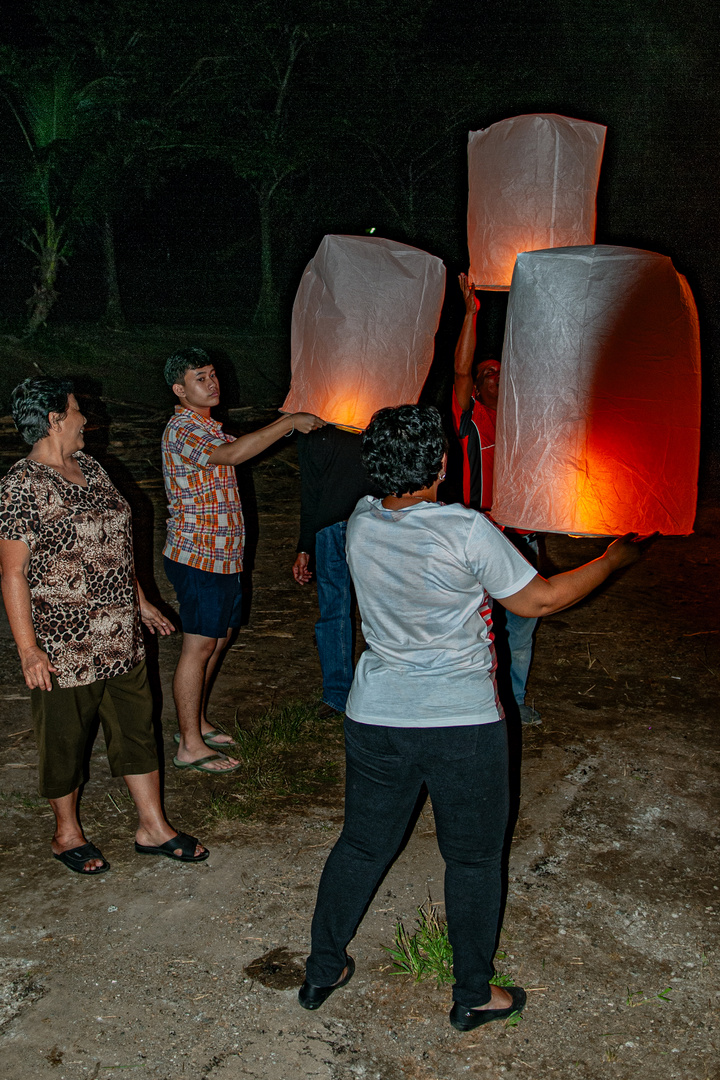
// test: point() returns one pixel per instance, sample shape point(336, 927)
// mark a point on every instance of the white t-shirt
point(421, 576)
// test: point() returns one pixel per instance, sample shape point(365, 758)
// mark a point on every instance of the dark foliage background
point(208, 146)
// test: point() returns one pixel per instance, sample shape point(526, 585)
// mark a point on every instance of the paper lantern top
point(532, 184)
point(599, 411)
point(363, 328)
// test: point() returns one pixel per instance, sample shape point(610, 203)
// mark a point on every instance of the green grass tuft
point(427, 953)
point(287, 753)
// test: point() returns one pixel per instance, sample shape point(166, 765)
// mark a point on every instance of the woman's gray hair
point(403, 448)
point(33, 401)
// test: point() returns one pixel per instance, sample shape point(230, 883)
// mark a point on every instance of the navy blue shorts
point(210, 604)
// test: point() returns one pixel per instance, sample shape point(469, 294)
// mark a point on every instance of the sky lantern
point(363, 328)
point(532, 184)
point(599, 413)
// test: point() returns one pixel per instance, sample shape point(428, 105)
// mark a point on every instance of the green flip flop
point(210, 739)
point(201, 765)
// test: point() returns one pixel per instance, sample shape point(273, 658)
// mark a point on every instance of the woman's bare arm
point(545, 596)
point(14, 565)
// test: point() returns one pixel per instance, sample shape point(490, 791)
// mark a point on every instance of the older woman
point(423, 708)
point(75, 608)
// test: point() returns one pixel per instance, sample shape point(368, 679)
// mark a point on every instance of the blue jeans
point(520, 642)
point(465, 770)
point(518, 631)
point(334, 628)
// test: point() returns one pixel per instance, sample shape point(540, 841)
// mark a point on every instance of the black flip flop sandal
point(187, 845)
point(75, 859)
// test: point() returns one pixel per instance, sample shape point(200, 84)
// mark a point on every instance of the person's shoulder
point(483, 412)
point(22, 487)
point(365, 505)
point(181, 418)
point(462, 519)
point(19, 475)
point(182, 423)
point(457, 511)
point(486, 532)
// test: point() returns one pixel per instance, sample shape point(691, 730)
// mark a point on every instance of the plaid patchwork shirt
point(205, 528)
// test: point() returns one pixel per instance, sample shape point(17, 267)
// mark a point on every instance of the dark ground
point(613, 874)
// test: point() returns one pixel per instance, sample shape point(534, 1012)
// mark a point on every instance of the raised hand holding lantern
point(363, 328)
point(599, 411)
point(532, 183)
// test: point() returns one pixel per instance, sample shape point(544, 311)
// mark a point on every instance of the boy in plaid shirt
point(204, 548)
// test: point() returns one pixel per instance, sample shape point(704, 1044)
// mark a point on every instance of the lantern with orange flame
point(599, 412)
point(363, 328)
point(532, 184)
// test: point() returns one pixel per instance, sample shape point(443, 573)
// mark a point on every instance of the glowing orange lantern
point(532, 184)
point(599, 413)
point(363, 328)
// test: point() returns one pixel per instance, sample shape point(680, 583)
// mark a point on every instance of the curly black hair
point(184, 360)
point(33, 401)
point(403, 448)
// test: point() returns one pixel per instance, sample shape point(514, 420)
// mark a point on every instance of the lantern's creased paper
point(599, 410)
point(532, 183)
point(363, 328)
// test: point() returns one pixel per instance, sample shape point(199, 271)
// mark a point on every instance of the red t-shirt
point(475, 429)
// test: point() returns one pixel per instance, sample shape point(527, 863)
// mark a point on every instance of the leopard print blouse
point(81, 574)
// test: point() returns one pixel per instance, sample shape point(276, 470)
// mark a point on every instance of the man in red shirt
point(474, 410)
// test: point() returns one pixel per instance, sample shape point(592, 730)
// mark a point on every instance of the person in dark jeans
point(423, 707)
point(332, 478)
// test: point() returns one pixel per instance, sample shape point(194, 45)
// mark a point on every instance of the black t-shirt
point(332, 478)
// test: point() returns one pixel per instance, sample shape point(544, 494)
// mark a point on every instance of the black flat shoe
point(312, 997)
point(467, 1019)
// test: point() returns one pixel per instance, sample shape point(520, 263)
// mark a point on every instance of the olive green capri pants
point(65, 719)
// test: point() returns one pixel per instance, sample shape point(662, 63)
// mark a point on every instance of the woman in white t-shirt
point(423, 709)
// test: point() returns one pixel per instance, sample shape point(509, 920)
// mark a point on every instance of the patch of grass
point(286, 752)
point(500, 979)
point(639, 997)
point(276, 729)
point(228, 806)
point(427, 953)
point(14, 801)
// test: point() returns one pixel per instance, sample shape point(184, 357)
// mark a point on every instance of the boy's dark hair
point(184, 360)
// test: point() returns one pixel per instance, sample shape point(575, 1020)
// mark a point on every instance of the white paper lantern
point(532, 184)
point(363, 328)
point(599, 410)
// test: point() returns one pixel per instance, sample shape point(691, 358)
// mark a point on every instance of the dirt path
point(613, 876)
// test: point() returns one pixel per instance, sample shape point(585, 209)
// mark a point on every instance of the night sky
point(376, 116)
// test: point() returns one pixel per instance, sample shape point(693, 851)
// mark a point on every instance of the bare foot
point(219, 738)
point(69, 841)
point(157, 837)
point(196, 751)
point(499, 999)
point(218, 764)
